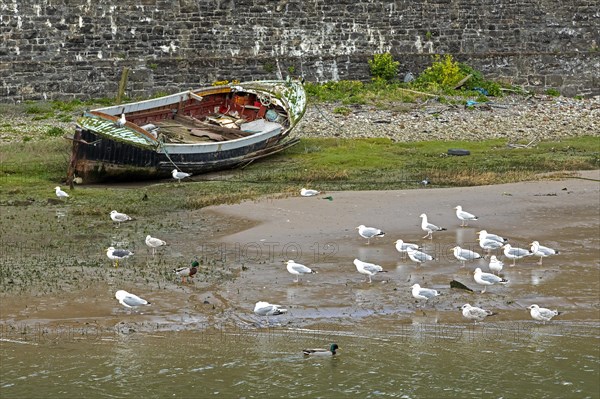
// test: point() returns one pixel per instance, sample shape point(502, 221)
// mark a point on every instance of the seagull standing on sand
point(117, 254)
point(423, 293)
point(495, 264)
point(515, 253)
point(418, 256)
point(119, 217)
point(60, 193)
point(369, 232)
point(464, 216)
point(474, 313)
point(484, 235)
point(486, 279)
point(130, 300)
point(489, 245)
point(154, 243)
point(542, 314)
point(268, 309)
point(464, 255)
point(402, 246)
point(179, 175)
point(309, 193)
point(368, 269)
point(297, 269)
point(541, 251)
point(429, 227)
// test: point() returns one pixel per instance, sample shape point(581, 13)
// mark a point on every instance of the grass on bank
point(30, 171)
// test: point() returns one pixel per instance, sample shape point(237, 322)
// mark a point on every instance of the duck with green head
point(321, 352)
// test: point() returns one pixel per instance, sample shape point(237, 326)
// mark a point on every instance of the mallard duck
point(305, 192)
point(369, 232)
point(321, 352)
point(154, 243)
point(429, 227)
point(179, 175)
point(464, 255)
point(464, 216)
point(119, 217)
point(541, 251)
point(542, 314)
point(297, 269)
point(486, 279)
point(186, 272)
point(130, 300)
point(117, 254)
point(60, 193)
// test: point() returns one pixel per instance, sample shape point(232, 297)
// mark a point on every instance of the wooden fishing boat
point(195, 131)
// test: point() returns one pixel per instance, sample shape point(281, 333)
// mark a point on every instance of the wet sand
point(321, 233)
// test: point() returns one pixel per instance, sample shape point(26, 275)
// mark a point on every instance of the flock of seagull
point(487, 241)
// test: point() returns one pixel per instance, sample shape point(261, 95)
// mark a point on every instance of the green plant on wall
point(383, 67)
point(269, 67)
point(291, 69)
point(444, 73)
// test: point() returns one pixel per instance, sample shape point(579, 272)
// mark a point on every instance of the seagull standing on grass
point(486, 279)
point(515, 253)
point(474, 313)
point(464, 216)
point(154, 243)
point(369, 269)
point(60, 193)
point(464, 255)
point(117, 254)
point(369, 232)
point(179, 175)
point(130, 300)
point(119, 217)
point(542, 314)
point(297, 269)
point(429, 227)
point(541, 251)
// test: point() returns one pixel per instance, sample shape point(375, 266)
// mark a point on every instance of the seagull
point(119, 217)
point(542, 314)
point(487, 279)
point(464, 216)
point(464, 255)
point(423, 293)
point(60, 193)
point(121, 121)
point(117, 254)
point(309, 193)
point(495, 264)
point(267, 309)
point(185, 272)
point(130, 300)
point(428, 227)
point(369, 269)
point(321, 352)
point(474, 313)
point(154, 243)
point(418, 256)
point(298, 269)
point(402, 246)
point(515, 253)
point(489, 245)
point(541, 251)
point(179, 175)
point(484, 235)
point(369, 232)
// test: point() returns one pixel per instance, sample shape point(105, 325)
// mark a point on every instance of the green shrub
point(55, 131)
point(553, 92)
point(443, 74)
point(384, 67)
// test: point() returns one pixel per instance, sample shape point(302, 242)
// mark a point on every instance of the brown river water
point(62, 333)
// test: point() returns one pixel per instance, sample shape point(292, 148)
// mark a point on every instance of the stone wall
point(63, 49)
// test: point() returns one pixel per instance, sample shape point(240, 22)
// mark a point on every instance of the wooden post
point(122, 84)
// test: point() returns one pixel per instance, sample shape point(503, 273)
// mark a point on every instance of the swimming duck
point(321, 352)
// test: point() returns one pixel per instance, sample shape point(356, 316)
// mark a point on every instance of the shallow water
point(400, 360)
